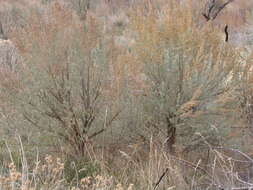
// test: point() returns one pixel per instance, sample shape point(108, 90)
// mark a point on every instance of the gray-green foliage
point(81, 7)
point(62, 93)
point(193, 93)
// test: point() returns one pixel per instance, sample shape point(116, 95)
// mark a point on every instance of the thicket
point(166, 93)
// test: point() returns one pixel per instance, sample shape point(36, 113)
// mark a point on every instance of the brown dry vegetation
point(126, 95)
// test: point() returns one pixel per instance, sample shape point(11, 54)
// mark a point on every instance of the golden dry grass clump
point(50, 175)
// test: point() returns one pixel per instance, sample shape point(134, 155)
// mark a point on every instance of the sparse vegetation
point(144, 95)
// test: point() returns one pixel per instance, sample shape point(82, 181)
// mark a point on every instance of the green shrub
point(191, 78)
point(63, 79)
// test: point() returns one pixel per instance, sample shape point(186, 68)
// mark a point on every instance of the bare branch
point(226, 33)
point(219, 9)
point(214, 9)
point(160, 178)
point(206, 16)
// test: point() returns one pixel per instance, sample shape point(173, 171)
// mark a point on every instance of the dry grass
point(224, 169)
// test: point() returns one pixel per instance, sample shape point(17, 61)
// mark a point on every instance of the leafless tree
point(214, 7)
point(212, 10)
